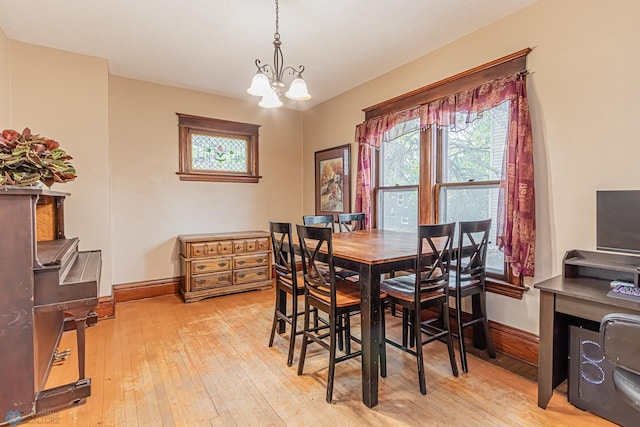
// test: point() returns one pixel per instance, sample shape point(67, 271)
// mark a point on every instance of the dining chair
point(351, 221)
point(469, 279)
point(287, 280)
point(319, 220)
point(428, 287)
point(336, 298)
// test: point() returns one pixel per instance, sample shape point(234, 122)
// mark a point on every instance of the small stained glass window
point(217, 150)
point(218, 153)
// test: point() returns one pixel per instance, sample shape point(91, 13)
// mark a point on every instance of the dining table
point(372, 253)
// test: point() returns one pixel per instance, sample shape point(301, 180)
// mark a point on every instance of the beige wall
point(64, 96)
point(5, 83)
point(584, 110)
point(151, 206)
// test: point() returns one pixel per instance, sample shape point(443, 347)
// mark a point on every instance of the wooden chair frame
point(469, 280)
point(428, 287)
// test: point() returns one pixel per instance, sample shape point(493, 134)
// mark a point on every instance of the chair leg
point(405, 327)
point(347, 333)
point(303, 349)
point(412, 334)
point(487, 333)
point(463, 352)
point(418, 340)
point(332, 357)
point(447, 327)
point(292, 338)
point(275, 317)
point(340, 329)
point(383, 344)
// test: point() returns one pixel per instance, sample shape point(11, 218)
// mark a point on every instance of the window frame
point(430, 167)
point(189, 124)
point(439, 184)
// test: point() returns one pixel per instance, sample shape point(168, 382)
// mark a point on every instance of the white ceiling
point(211, 45)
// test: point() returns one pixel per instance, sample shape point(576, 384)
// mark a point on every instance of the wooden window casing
point(189, 125)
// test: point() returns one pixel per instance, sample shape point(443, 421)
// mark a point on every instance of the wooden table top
point(375, 246)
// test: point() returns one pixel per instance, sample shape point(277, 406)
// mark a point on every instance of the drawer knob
point(201, 267)
point(200, 282)
point(241, 262)
point(261, 273)
point(222, 264)
point(260, 260)
point(241, 275)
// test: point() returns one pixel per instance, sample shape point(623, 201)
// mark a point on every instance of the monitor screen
point(618, 221)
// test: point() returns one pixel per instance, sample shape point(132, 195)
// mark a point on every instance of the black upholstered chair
point(427, 288)
point(468, 279)
point(288, 280)
point(328, 294)
point(351, 221)
point(620, 338)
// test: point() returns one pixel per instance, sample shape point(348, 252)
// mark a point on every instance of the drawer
point(211, 249)
point(248, 261)
point(250, 275)
point(215, 280)
point(210, 265)
point(250, 245)
point(198, 249)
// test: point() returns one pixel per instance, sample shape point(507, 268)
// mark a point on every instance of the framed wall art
point(333, 181)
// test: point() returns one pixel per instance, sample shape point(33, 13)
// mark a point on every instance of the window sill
point(191, 176)
point(506, 289)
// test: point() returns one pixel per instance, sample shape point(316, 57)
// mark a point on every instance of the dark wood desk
point(582, 298)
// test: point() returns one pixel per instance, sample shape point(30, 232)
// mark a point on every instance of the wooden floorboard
point(161, 362)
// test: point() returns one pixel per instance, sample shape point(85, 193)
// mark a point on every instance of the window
point(459, 171)
point(217, 150)
point(398, 181)
point(467, 168)
point(469, 165)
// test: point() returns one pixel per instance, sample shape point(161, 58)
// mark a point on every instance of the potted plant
point(26, 159)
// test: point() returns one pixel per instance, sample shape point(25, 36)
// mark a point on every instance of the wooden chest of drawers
point(224, 263)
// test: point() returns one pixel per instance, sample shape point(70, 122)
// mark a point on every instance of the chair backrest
point(283, 252)
point(351, 221)
point(620, 338)
point(317, 281)
point(473, 242)
point(433, 259)
point(321, 220)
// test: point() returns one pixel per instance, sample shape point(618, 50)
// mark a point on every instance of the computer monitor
point(618, 221)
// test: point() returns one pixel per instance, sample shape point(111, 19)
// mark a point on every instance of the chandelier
point(267, 82)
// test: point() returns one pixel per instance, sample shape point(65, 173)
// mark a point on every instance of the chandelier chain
point(277, 34)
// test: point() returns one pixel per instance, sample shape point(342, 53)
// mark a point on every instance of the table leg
point(545, 349)
point(370, 317)
point(282, 304)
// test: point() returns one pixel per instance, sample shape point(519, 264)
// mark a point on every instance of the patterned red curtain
point(516, 223)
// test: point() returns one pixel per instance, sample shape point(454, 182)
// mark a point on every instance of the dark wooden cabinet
point(46, 286)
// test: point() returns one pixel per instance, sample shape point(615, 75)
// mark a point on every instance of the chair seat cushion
point(347, 294)
point(403, 288)
point(464, 282)
point(627, 384)
point(288, 283)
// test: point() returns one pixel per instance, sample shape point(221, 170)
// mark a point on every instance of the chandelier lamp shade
point(268, 81)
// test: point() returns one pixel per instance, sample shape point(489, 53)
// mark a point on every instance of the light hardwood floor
point(164, 363)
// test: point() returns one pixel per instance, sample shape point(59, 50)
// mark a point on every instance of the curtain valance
point(455, 111)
